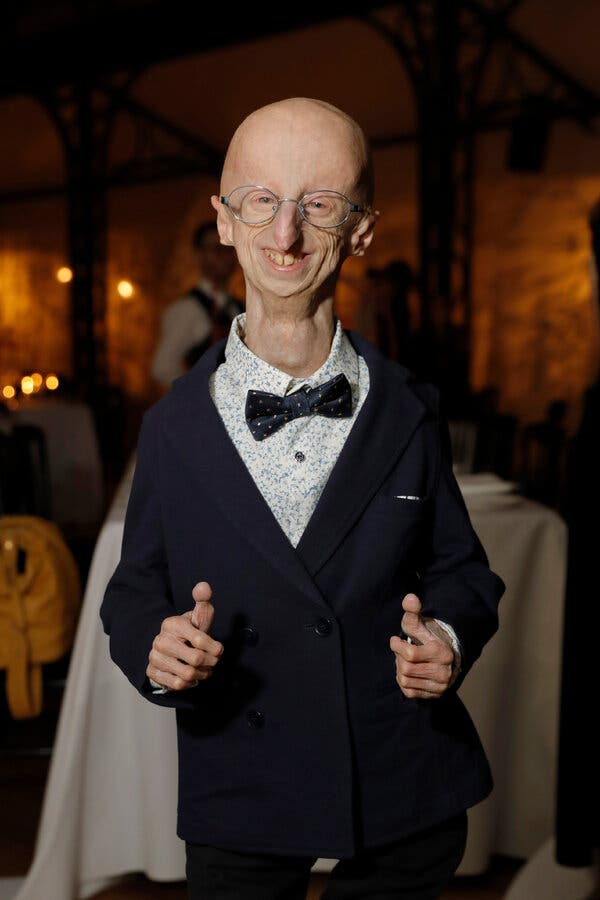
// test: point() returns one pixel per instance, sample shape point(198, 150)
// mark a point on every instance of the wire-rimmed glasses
point(256, 205)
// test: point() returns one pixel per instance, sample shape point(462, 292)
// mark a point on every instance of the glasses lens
point(253, 204)
point(325, 208)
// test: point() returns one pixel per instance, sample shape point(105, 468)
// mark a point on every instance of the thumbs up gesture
point(184, 653)
point(425, 666)
point(203, 612)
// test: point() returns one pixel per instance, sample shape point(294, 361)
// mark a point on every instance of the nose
point(287, 224)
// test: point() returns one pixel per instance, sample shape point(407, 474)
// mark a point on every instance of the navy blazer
point(302, 742)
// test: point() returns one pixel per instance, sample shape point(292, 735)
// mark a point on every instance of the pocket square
point(406, 497)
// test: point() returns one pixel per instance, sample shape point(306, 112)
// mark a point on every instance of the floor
point(24, 762)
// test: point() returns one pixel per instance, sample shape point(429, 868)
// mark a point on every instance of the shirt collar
point(252, 372)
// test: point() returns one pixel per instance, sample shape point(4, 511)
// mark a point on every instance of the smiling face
point(293, 148)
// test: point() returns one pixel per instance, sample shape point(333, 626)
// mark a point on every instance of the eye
point(260, 199)
point(259, 204)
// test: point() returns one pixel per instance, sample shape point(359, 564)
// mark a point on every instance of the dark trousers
point(418, 867)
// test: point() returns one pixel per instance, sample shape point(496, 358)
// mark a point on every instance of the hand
point(184, 653)
point(424, 668)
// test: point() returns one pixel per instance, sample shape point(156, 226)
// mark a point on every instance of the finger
point(411, 603)
point(413, 693)
point(429, 686)
point(204, 612)
point(424, 671)
point(412, 623)
point(180, 674)
point(434, 651)
point(177, 668)
point(172, 647)
point(413, 626)
point(181, 627)
point(201, 591)
point(170, 680)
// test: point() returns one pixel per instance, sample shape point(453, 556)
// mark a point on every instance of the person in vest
point(299, 576)
point(203, 315)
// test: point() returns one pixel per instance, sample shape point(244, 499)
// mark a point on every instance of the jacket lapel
point(215, 465)
point(383, 428)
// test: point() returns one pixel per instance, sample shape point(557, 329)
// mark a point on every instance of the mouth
point(285, 262)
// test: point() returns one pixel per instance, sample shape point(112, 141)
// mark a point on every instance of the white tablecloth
point(110, 803)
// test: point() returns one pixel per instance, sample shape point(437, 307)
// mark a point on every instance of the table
point(113, 773)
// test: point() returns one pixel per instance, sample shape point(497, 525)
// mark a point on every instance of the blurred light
point(8, 391)
point(27, 384)
point(64, 275)
point(125, 289)
point(37, 379)
point(51, 382)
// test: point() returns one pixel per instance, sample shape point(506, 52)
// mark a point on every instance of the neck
point(295, 339)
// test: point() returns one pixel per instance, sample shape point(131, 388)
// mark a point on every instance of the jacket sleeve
point(138, 597)
point(458, 587)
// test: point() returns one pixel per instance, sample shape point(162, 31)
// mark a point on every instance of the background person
point(203, 315)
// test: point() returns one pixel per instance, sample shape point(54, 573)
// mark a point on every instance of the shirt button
point(299, 456)
point(323, 627)
point(255, 719)
point(250, 635)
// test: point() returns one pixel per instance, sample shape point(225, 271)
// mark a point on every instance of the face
point(293, 149)
point(217, 261)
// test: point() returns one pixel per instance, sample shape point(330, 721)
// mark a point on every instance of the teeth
point(287, 260)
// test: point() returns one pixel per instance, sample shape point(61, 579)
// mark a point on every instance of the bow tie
point(267, 413)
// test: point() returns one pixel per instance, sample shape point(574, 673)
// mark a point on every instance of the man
point(203, 316)
point(298, 486)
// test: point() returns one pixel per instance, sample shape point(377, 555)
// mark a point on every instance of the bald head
point(314, 140)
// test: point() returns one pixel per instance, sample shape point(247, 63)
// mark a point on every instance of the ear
point(361, 237)
point(224, 221)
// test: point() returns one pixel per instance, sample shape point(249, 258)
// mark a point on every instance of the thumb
point(412, 621)
point(203, 612)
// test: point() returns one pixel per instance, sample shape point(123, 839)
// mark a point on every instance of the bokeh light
point(125, 289)
point(64, 275)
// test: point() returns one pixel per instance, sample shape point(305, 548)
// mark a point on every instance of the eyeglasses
point(256, 205)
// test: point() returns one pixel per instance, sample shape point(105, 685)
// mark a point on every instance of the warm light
point(8, 391)
point(27, 384)
point(51, 382)
point(125, 289)
point(64, 275)
point(37, 379)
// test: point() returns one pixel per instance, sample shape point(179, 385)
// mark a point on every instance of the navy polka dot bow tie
point(267, 413)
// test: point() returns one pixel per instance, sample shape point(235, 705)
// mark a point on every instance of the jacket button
point(250, 635)
point(323, 627)
point(255, 719)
